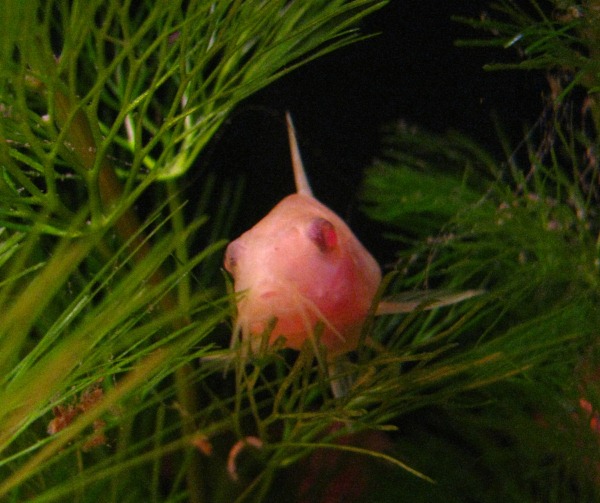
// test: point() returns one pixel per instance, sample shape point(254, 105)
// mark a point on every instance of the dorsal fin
point(302, 185)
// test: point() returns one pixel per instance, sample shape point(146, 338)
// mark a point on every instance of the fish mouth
point(272, 303)
point(268, 295)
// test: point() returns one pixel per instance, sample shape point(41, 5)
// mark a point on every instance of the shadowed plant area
point(117, 379)
point(525, 228)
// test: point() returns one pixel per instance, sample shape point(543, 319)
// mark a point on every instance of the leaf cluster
point(527, 230)
point(136, 88)
point(111, 323)
point(107, 273)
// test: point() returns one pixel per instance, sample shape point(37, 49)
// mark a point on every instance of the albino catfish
point(301, 267)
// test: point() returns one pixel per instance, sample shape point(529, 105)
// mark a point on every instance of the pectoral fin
point(409, 302)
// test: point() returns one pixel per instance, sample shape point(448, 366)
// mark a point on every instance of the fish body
point(301, 267)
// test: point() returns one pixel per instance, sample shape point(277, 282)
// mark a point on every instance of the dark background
point(411, 71)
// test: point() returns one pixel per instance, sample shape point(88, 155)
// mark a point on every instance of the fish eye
point(322, 232)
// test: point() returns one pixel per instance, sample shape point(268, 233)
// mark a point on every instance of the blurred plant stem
point(80, 139)
point(590, 32)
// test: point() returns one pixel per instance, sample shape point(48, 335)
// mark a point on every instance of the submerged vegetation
point(526, 228)
point(116, 319)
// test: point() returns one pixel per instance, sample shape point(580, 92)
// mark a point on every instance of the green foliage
point(528, 231)
point(409, 166)
point(93, 86)
point(106, 315)
point(560, 36)
point(111, 371)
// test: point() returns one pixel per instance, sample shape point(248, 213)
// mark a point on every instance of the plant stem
point(128, 226)
point(591, 33)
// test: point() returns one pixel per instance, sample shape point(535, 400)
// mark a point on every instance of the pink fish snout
point(232, 254)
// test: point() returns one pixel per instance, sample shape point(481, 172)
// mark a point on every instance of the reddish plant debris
point(235, 451)
point(202, 443)
point(64, 415)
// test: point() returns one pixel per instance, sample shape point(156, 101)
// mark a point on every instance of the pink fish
point(301, 267)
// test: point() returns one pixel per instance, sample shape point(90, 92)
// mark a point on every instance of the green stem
point(186, 392)
point(81, 140)
point(591, 33)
